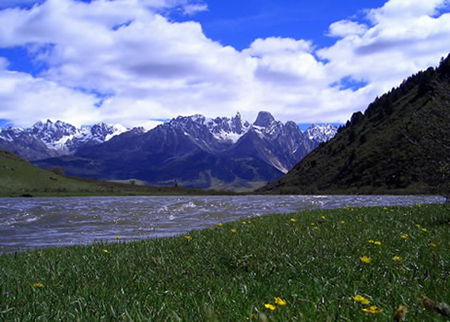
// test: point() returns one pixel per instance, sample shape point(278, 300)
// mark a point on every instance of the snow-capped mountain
point(195, 151)
point(51, 139)
point(321, 133)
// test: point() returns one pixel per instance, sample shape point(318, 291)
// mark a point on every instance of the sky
point(139, 62)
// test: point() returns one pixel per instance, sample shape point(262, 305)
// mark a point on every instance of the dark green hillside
point(401, 144)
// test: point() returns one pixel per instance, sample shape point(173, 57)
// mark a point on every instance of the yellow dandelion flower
point(424, 230)
point(293, 220)
point(378, 243)
point(405, 236)
point(361, 299)
point(38, 285)
point(313, 224)
point(434, 245)
point(233, 230)
point(373, 310)
point(188, 238)
point(270, 306)
point(105, 251)
point(342, 222)
point(418, 226)
point(371, 241)
point(280, 301)
point(323, 217)
point(397, 259)
point(316, 228)
point(366, 259)
point(220, 224)
point(244, 223)
point(249, 222)
point(118, 237)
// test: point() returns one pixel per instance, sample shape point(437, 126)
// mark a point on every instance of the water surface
point(42, 222)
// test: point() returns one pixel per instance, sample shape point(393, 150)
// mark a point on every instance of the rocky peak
point(264, 119)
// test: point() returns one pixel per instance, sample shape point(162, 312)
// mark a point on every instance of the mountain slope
point(18, 176)
point(399, 145)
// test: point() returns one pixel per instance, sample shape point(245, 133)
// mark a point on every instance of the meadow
point(348, 264)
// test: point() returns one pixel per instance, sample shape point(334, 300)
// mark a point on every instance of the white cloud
point(126, 56)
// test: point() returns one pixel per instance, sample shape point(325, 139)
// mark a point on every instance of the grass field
point(346, 264)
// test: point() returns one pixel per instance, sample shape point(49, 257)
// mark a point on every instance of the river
point(41, 222)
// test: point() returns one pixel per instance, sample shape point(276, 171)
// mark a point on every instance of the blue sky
point(136, 62)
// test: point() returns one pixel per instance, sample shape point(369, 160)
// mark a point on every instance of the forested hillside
point(401, 144)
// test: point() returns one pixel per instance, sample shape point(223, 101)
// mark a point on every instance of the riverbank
point(309, 266)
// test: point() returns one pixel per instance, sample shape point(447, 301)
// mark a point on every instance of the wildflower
point(417, 225)
point(188, 238)
point(293, 220)
point(434, 245)
point(424, 230)
point(361, 299)
point(316, 228)
point(322, 217)
point(378, 243)
point(313, 224)
point(6, 293)
point(405, 236)
point(397, 258)
point(244, 223)
point(280, 301)
point(373, 310)
point(365, 259)
point(270, 306)
point(38, 285)
point(118, 237)
point(400, 313)
point(342, 222)
point(220, 224)
point(105, 251)
point(371, 241)
point(233, 230)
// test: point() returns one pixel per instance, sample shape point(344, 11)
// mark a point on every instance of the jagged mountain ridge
point(52, 139)
point(196, 152)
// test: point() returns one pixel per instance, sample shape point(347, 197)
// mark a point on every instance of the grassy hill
point(401, 144)
point(19, 177)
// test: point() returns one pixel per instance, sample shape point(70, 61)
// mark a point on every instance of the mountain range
point(194, 151)
point(400, 144)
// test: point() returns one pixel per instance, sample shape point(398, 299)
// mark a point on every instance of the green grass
point(219, 275)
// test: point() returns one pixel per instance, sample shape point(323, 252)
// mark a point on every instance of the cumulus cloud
point(124, 61)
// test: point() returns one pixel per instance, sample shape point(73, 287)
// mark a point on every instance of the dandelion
point(244, 223)
point(366, 259)
point(397, 259)
point(38, 285)
point(342, 222)
point(105, 251)
point(219, 224)
point(323, 217)
point(434, 245)
point(293, 220)
point(270, 306)
point(418, 226)
point(188, 238)
point(279, 301)
point(373, 310)
point(118, 237)
point(313, 224)
point(371, 241)
point(233, 230)
point(361, 299)
point(424, 230)
point(378, 243)
point(316, 228)
point(405, 236)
